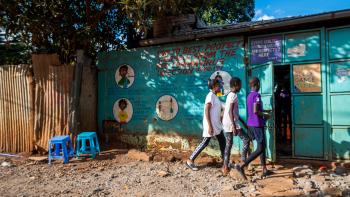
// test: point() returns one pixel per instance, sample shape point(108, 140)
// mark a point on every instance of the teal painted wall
point(302, 46)
point(178, 70)
point(339, 91)
point(320, 118)
point(339, 43)
point(305, 53)
point(309, 142)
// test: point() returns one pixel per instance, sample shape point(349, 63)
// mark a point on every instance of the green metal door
point(265, 74)
point(307, 111)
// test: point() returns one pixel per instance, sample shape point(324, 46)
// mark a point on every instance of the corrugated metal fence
point(16, 108)
point(52, 96)
point(34, 103)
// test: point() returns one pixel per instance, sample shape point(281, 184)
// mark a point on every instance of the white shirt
point(215, 112)
point(226, 121)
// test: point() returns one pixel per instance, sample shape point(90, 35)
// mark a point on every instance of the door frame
point(291, 107)
point(325, 62)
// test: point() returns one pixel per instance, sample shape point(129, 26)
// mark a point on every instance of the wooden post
point(74, 120)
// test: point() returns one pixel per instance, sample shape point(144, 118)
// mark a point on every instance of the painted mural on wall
point(165, 86)
point(267, 49)
point(307, 78)
point(122, 110)
point(167, 107)
point(224, 77)
point(124, 76)
point(197, 58)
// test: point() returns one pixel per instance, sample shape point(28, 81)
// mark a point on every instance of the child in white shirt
point(231, 124)
point(212, 126)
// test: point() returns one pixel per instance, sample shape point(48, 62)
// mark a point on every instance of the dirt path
point(118, 175)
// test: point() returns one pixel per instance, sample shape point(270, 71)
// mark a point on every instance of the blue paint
point(166, 70)
point(340, 110)
point(340, 76)
point(320, 118)
point(302, 47)
point(339, 43)
point(308, 142)
point(308, 110)
point(341, 143)
point(339, 92)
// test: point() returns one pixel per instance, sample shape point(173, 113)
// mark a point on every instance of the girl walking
point(212, 126)
point(231, 124)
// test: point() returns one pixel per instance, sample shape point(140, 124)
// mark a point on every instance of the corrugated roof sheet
point(212, 31)
point(257, 23)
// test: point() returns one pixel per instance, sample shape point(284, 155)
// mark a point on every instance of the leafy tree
point(227, 11)
point(12, 51)
point(142, 12)
point(62, 26)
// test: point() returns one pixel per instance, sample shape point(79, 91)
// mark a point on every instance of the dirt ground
point(116, 173)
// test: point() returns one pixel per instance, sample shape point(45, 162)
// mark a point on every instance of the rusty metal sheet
point(52, 105)
point(34, 103)
point(16, 108)
point(52, 98)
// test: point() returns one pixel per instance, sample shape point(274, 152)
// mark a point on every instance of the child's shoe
point(191, 166)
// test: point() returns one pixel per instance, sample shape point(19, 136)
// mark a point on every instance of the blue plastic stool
point(82, 147)
point(63, 148)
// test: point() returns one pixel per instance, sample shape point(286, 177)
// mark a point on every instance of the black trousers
point(205, 142)
point(258, 134)
point(229, 142)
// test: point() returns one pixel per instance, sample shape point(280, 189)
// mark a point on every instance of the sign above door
point(267, 49)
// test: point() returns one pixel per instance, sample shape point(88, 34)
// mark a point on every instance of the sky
point(270, 9)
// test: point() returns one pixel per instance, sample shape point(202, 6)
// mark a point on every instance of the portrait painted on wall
point(167, 107)
point(122, 110)
point(307, 78)
point(124, 76)
point(224, 77)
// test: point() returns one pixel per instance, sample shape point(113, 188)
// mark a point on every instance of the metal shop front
point(305, 82)
point(159, 91)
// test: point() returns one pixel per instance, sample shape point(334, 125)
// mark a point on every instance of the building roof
point(249, 27)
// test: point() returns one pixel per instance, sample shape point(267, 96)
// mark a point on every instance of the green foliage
point(62, 26)
point(227, 11)
point(12, 51)
point(142, 12)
